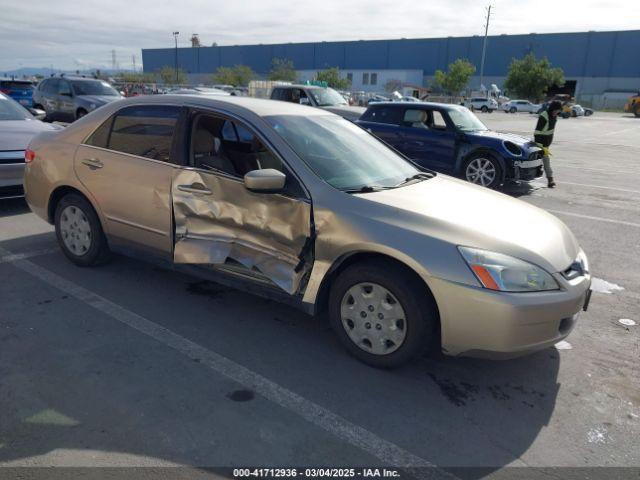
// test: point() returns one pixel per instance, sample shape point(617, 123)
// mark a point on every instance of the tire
point(81, 112)
point(79, 231)
point(513, 110)
point(565, 115)
point(636, 111)
point(414, 334)
point(482, 169)
point(484, 109)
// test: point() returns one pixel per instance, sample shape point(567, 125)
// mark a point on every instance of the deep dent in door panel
point(266, 235)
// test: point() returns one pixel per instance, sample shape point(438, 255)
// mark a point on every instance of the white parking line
point(604, 170)
point(590, 217)
point(603, 187)
point(12, 257)
point(388, 453)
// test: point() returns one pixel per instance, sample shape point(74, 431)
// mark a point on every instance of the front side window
point(64, 88)
point(388, 115)
point(222, 145)
point(341, 153)
point(145, 131)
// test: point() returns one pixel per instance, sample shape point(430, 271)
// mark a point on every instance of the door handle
point(195, 188)
point(93, 163)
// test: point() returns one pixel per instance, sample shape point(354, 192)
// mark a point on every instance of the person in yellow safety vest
point(543, 136)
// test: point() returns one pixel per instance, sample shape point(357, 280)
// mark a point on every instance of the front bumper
point(477, 322)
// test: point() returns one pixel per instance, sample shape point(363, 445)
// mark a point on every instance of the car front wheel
point(482, 169)
point(79, 232)
point(513, 110)
point(484, 109)
point(382, 315)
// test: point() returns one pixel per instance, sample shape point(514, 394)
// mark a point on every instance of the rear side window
point(145, 131)
point(382, 115)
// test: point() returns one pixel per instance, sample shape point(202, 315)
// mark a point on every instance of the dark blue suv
point(451, 139)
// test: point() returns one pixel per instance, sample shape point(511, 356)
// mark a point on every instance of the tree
point(195, 41)
point(168, 76)
point(282, 69)
point(238, 75)
point(393, 85)
point(530, 78)
point(332, 77)
point(456, 77)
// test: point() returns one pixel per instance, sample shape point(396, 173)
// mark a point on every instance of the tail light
point(5, 91)
point(29, 155)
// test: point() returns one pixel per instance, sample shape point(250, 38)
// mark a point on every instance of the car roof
point(445, 106)
point(259, 106)
point(299, 85)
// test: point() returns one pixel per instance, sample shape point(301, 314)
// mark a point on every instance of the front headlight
point(503, 273)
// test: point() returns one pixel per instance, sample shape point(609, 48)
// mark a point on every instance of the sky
point(81, 34)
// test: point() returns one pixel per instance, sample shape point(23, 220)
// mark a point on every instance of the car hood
point(347, 111)
point(99, 99)
point(16, 134)
point(511, 137)
point(467, 215)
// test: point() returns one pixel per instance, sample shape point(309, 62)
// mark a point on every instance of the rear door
point(219, 222)
point(127, 165)
point(384, 122)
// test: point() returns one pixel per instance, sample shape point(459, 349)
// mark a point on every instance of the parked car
point(514, 106)
point(198, 91)
point(450, 139)
point(17, 127)
point(20, 90)
point(633, 105)
point(300, 205)
point(69, 98)
point(481, 103)
point(321, 97)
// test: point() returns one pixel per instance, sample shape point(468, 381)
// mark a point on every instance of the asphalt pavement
point(129, 364)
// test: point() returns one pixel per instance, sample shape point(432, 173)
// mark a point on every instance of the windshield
point(88, 87)
point(326, 97)
point(341, 153)
point(12, 110)
point(465, 121)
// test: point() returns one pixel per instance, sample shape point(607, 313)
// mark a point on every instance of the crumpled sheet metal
point(268, 233)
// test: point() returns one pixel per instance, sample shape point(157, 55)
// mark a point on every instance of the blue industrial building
point(595, 63)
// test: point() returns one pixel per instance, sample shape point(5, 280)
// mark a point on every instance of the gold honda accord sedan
point(302, 206)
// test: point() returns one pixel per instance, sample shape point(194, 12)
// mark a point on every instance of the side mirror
point(305, 101)
point(267, 180)
point(39, 114)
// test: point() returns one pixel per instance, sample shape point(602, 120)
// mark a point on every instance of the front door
point(427, 140)
point(218, 221)
point(127, 165)
point(65, 101)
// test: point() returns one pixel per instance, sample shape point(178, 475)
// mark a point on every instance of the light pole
point(175, 37)
point(484, 46)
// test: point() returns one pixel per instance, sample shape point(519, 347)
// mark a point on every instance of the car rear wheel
point(382, 315)
point(79, 232)
point(513, 110)
point(482, 169)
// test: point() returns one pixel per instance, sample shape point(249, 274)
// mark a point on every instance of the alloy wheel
point(481, 171)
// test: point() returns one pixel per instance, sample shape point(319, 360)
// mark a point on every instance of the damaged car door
point(237, 202)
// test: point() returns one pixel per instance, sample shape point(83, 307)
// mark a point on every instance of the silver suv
point(69, 98)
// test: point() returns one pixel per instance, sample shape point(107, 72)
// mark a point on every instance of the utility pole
point(484, 46)
point(133, 60)
point(113, 59)
point(175, 37)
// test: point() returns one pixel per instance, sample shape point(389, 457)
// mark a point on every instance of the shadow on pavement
point(13, 206)
point(72, 378)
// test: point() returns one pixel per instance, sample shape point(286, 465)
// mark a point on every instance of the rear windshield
point(96, 87)
point(15, 85)
point(12, 110)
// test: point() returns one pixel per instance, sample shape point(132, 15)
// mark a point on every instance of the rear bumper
point(11, 174)
point(482, 323)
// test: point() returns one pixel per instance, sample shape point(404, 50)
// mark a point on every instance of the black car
point(451, 139)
